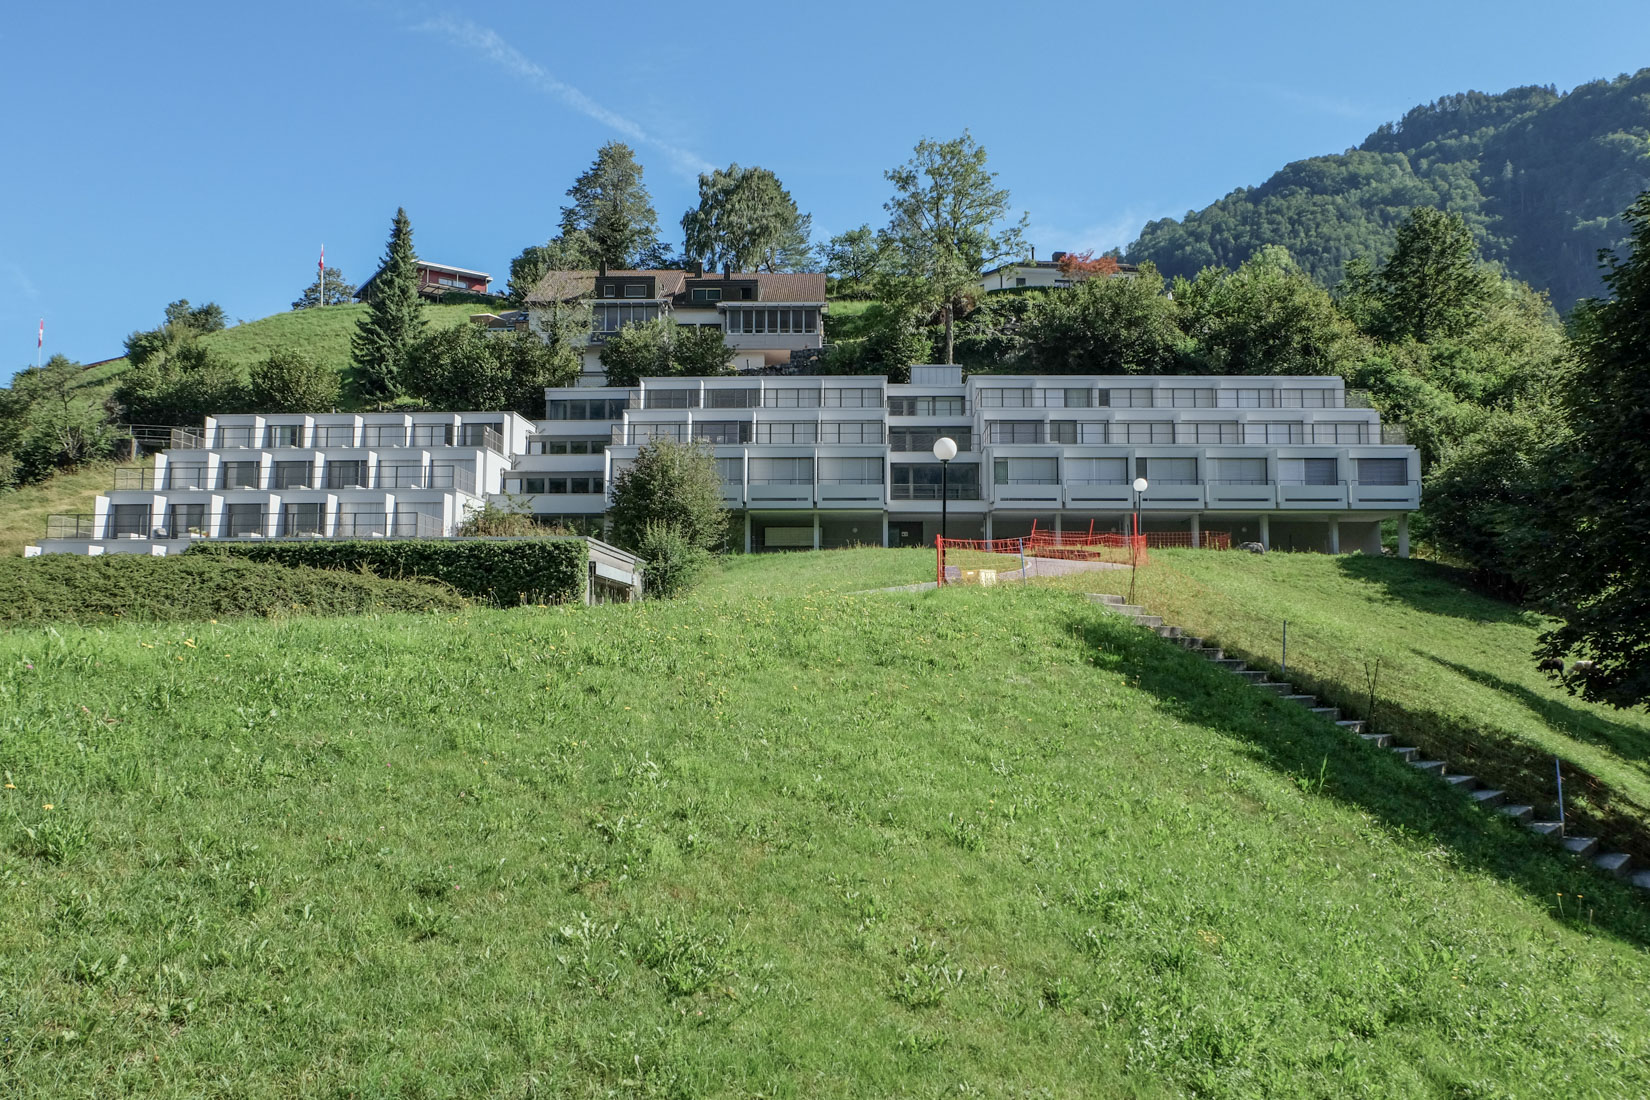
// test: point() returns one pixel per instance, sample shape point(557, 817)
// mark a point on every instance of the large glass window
point(240, 475)
point(730, 470)
point(1017, 398)
point(922, 439)
point(384, 435)
point(1027, 471)
point(925, 406)
point(286, 435)
point(791, 398)
point(1062, 431)
point(670, 399)
point(643, 434)
point(1383, 471)
point(850, 471)
point(128, 519)
point(303, 519)
point(186, 477)
point(782, 471)
point(921, 481)
point(1339, 431)
point(1186, 398)
point(1273, 431)
point(186, 519)
point(243, 519)
point(1168, 471)
point(1142, 431)
point(1096, 471)
point(293, 475)
point(1136, 398)
point(850, 431)
point(1014, 431)
point(1208, 431)
point(1241, 471)
point(595, 408)
point(852, 398)
point(335, 435)
point(785, 431)
point(1307, 471)
point(722, 431)
point(346, 475)
point(731, 399)
point(236, 436)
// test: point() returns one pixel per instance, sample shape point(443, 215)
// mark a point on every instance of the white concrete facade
point(325, 475)
point(1289, 462)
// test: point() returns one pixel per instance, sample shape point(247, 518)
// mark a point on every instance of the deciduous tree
point(288, 381)
point(671, 484)
point(338, 292)
point(853, 260)
point(747, 219)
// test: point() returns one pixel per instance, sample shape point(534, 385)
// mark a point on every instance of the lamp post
point(945, 449)
point(1140, 486)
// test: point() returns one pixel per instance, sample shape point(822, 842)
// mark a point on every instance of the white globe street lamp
point(945, 449)
point(1140, 486)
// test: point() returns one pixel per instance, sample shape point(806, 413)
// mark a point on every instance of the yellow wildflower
point(47, 806)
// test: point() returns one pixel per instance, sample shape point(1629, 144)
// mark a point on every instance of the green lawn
point(1456, 676)
point(774, 839)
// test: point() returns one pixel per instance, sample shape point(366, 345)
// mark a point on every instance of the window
point(186, 519)
point(790, 399)
point(850, 431)
point(1273, 431)
point(1142, 431)
point(303, 519)
point(1167, 471)
point(1307, 471)
point(292, 475)
point(611, 290)
point(746, 293)
point(186, 477)
point(643, 434)
point(1079, 399)
point(722, 431)
point(1062, 431)
point(922, 439)
point(584, 485)
point(1190, 398)
point(1208, 431)
point(346, 475)
point(1019, 398)
point(1338, 431)
point(128, 519)
point(240, 475)
point(1383, 471)
point(730, 470)
point(1310, 399)
point(235, 437)
point(1246, 398)
point(1241, 471)
point(1027, 471)
point(335, 435)
point(243, 519)
point(707, 294)
point(732, 399)
point(921, 481)
point(782, 471)
point(1094, 431)
point(1014, 431)
point(286, 435)
point(596, 408)
point(850, 471)
point(1096, 471)
point(1019, 280)
point(635, 290)
point(785, 431)
point(1136, 398)
point(384, 435)
point(611, 318)
point(925, 406)
point(670, 399)
point(851, 398)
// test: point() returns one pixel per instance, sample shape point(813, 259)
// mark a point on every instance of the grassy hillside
point(1455, 677)
point(23, 511)
point(776, 839)
point(323, 334)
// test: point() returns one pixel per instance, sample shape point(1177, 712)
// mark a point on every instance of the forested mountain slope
point(1542, 178)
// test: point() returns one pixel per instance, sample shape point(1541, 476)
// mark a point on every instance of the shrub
point(291, 382)
point(68, 587)
point(546, 570)
point(674, 484)
point(674, 563)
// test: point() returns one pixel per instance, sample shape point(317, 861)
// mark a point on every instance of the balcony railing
point(932, 492)
point(71, 525)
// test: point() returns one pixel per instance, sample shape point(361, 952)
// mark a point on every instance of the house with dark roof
point(768, 318)
point(435, 280)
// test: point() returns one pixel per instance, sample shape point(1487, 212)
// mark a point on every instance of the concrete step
point(1331, 713)
point(1275, 689)
point(1580, 845)
point(1521, 814)
point(1208, 652)
point(1407, 755)
point(1488, 798)
point(1545, 828)
point(1186, 641)
point(1462, 782)
point(1614, 863)
point(1168, 631)
point(1641, 879)
point(1253, 675)
point(1150, 621)
point(1299, 699)
point(1356, 725)
point(1431, 767)
point(1105, 597)
point(1379, 740)
point(1230, 664)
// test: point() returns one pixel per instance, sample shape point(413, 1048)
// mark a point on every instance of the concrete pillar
point(1197, 532)
point(816, 530)
point(1334, 535)
point(1403, 534)
point(747, 532)
point(885, 528)
point(988, 526)
point(1266, 532)
point(1057, 524)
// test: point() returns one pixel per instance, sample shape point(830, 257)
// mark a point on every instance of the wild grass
point(1456, 674)
point(774, 840)
point(23, 511)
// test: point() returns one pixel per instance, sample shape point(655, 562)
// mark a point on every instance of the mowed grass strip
point(771, 840)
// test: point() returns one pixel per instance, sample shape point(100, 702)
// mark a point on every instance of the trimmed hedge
point(501, 571)
point(74, 588)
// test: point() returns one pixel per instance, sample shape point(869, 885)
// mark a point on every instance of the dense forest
point(1541, 177)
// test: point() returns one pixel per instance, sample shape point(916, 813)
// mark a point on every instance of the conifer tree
point(611, 219)
point(395, 317)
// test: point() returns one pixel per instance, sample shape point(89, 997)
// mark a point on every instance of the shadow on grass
point(1302, 746)
point(1628, 742)
point(1433, 588)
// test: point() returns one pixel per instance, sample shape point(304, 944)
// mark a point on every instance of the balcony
point(1369, 494)
point(847, 492)
point(1172, 493)
point(1099, 493)
point(780, 492)
point(1295, 494)
point(1027, 494)
point(953, 491)
point(1241, 493)
point(418, 476)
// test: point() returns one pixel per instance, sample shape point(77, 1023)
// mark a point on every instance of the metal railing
point(932, 492)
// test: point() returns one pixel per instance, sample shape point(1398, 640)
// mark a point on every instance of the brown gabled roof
point(565, 286)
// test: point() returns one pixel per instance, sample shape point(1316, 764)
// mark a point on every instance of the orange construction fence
point(1050, 553)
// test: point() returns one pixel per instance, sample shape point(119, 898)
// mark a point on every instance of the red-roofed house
point(435, 279)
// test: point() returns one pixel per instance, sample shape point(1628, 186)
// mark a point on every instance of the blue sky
point(207, 150)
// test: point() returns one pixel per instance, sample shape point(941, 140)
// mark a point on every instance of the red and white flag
point(321, 264)
point(42, 341)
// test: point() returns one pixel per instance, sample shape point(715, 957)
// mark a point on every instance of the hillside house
point(435, 280)
point(1037, 273)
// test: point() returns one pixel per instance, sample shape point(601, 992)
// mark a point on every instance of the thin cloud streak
point(507, 58)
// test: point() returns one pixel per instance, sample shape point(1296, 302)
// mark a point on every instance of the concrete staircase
point(1616, 864)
